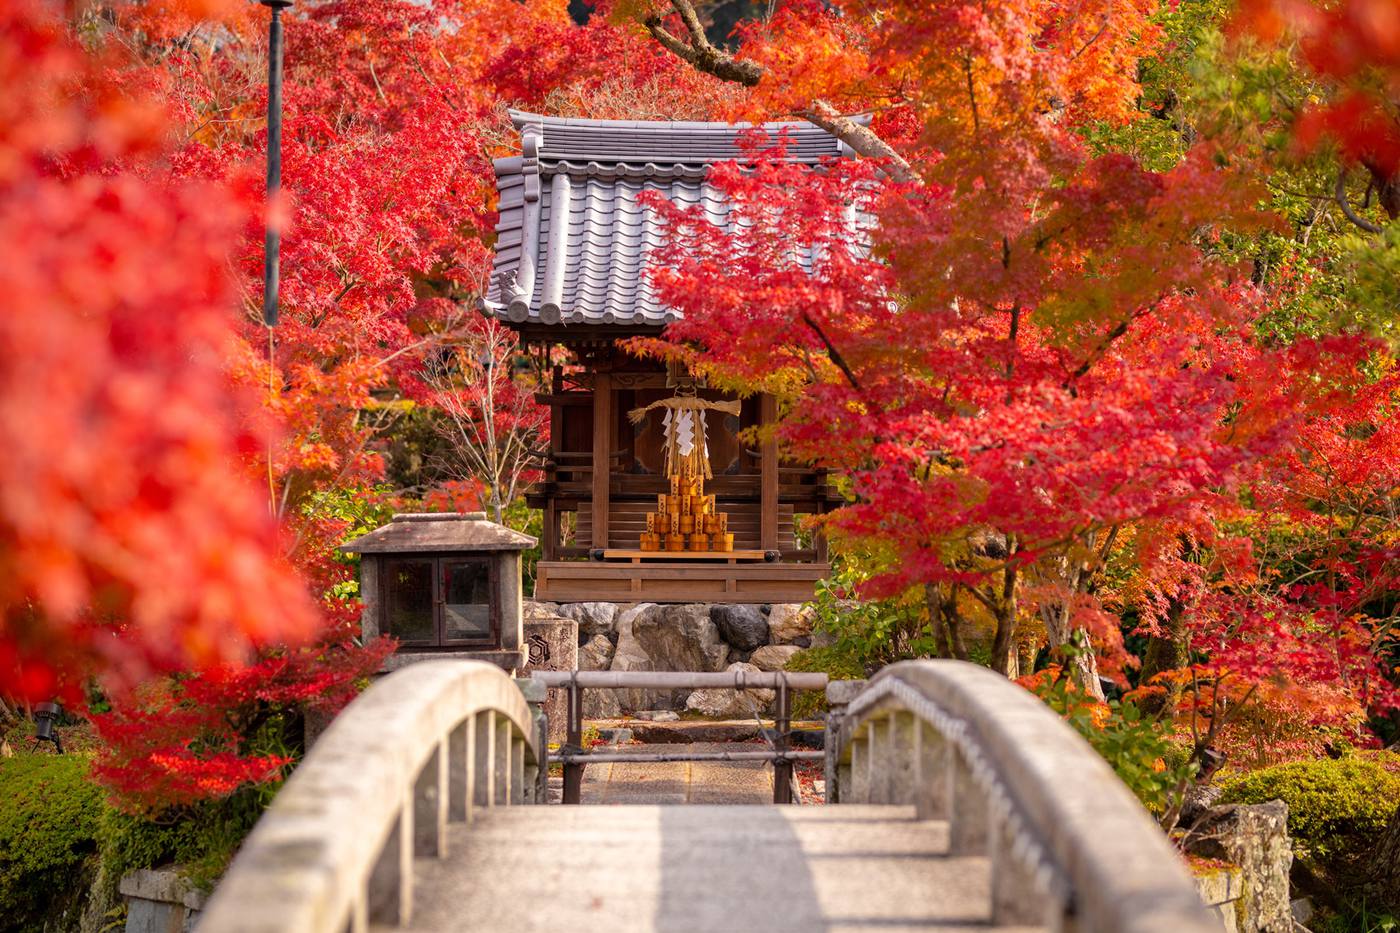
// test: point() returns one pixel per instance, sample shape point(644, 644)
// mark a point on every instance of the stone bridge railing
point(1070, 847)
point(334, 852)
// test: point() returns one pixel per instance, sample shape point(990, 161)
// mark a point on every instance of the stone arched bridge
point(961, 802)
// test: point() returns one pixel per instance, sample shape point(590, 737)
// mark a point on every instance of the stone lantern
point(444, 584)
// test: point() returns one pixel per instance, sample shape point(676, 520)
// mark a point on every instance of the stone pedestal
point(1254, 839)
point(160, 901)
point(552, 644)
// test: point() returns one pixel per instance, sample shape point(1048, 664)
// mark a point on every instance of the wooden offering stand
point(686, 522)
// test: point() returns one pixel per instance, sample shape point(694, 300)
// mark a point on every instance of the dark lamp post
point(45, 719)
point(273, 245)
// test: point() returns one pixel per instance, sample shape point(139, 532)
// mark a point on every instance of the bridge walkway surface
point(957, 801)
point(702, 868)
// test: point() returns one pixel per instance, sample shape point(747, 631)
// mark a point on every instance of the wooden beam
point(592, 581)
point(768, 476)
point(602, 447)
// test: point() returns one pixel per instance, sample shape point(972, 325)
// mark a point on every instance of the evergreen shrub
point(1337, 808)
point(49, 814)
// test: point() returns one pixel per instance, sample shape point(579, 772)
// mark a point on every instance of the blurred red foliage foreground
point(131, 539)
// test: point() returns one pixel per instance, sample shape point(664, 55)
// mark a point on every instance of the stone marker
point(160, 901)
point(552, 644)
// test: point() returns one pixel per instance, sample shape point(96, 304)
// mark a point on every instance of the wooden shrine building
point(630, 513)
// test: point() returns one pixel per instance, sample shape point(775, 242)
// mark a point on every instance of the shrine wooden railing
point(575, 758)
point(1070, 847)
point(426, 745)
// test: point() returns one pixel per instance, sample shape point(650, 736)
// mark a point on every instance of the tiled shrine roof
point(572, 242)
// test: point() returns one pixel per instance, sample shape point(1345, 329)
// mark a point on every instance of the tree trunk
point(1165, 652)
point(1387, 188)
point(1026, 652)
point(1084, 665)
point(1004, 640)
point(1383, 883)
point(954, 623)
point(942, 642)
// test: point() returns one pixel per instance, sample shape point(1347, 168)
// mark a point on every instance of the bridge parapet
point(428, 744)
point(1069, 845)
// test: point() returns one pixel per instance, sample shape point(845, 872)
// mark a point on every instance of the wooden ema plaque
point(685, 520)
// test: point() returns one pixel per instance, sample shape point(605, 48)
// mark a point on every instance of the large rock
point(602, 704)
point(630, 656)
point(744, 627)
point(788, 622)
point(1255, 838)
point(726, 703)
point(679, 638)
point(592, 618)
point(773, 657)
point(533, 609)
point(596, 655)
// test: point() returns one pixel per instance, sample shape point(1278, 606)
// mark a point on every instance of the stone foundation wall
point(686, 637)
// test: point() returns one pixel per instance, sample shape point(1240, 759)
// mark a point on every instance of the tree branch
point(832, 352)
point(700, 52)
point(860, 138)
point(1340, 193)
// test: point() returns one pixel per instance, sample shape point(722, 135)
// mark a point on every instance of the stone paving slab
point(717, 869)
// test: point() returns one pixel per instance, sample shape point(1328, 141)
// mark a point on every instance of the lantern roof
point(439, 532)
point(572, 241)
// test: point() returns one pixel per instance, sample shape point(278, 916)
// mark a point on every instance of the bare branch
point(832, 352)
point(700, 52)
point(1092, 39)
point(1340, 193)
point(491, 425)
point(704, 56)
point(860, 138)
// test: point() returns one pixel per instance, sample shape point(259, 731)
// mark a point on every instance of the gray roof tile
point(572, 243)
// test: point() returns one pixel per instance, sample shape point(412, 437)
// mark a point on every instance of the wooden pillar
point(768, 477)
point(550, 533)
point(819, 537)
point(602, 451)
point(549, 546)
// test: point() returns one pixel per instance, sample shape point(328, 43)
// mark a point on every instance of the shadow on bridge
point(814, 869)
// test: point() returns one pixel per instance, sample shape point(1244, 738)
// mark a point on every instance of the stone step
point(701, 869)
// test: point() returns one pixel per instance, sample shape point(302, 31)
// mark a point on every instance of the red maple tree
point(392, 115)
point(1040, 362)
